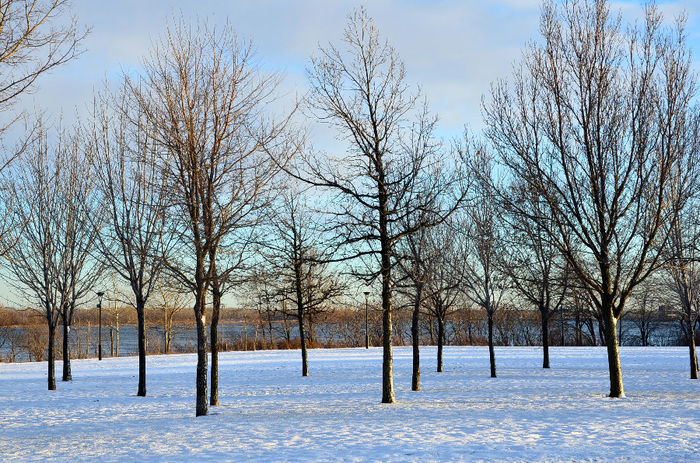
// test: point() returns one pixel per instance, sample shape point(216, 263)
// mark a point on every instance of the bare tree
point(683, 270)
point(296, 250)
point(361, 91)
point(35, 254)
point(484, 281)
point(593, 123)
point(535, 267)
point(132, 242)
point(644, 310)
point(75, 235)
point(446, 279)
point(416, 258)
point(169, 302)
point(206, 102)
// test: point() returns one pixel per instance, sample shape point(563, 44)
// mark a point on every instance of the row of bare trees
point(582, 187)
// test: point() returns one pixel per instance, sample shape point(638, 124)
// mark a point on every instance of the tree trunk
point(52, 359)
point(298, 286)
point(141, 326)
point(692, 351)
point(441, 341)
point(385, 251)
point(492, 352)
point(214, 329)
point(415, 340)
point(302, 342)
point(545, 338)
point(166, 346)
point(116, 345)
point(67, 374)
point(614, 367)
point(387, 359)
point(200, 318)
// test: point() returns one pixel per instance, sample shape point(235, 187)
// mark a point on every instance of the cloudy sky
point(452, 48)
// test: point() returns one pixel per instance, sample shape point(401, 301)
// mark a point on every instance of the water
point(16, 344)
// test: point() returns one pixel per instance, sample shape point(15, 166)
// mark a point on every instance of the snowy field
point(269, 412)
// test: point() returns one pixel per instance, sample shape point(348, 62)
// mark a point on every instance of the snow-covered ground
point(268, 412)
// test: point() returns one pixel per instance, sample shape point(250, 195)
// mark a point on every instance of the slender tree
point(50, 254)
point(446, 281)
point(76, 236)
point(205, 102)
point(535, 268)
point(132, 241)
point(484, 282)
point(592, 123)
point(683, 270)
point(296, 250)
point(361, 91)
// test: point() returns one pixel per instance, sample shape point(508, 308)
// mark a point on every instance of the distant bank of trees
point(24, 337)
point(571, 217)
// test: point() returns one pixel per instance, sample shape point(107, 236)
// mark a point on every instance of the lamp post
point(99, 331)
point(366, 321)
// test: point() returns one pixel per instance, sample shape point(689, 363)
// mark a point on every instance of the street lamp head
point(100, 293)
point(366, 293)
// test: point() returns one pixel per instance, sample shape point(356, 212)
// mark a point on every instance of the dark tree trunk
point(52, 359)
point(415, 340)
point(214, 330)
point(441, 342)
point(492, 352)
point(302, 342)
point(199, 312)
point(692, 351)
point(141, 327)
point(300, 316)
point(545, 338)
point(67, 374)
point(388, 357)
point(387, 330)
point(614, 367)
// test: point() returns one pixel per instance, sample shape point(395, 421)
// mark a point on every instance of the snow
point(269, 412)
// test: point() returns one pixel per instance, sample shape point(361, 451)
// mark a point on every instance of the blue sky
point(452, 48)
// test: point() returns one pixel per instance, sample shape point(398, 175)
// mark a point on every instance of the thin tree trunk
point(614, 367)
point(692, 350)
point(67, 374)
point(385, 252)
point(302, 342)
point(441, 342)
point(545, 339)
point(116, 345)
point(52, 359)
point(415, 340)
point(202, 407)
point(214, 329)
point(492, 352)
point(141, 326)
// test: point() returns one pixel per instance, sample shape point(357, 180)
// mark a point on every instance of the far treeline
point(189, 179)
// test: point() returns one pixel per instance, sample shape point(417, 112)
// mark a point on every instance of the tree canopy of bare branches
point(298, 254)
point(132, 242)
point(51, 253)
point(391, 167)
point(206, 103)
point(596, 122)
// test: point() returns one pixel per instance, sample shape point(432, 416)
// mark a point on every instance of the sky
point(453, 49)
